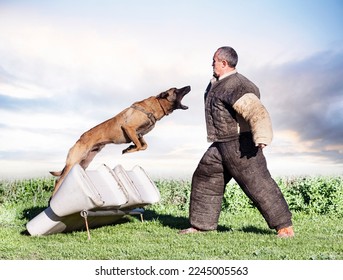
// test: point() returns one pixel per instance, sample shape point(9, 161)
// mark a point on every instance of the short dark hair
point(228, 54)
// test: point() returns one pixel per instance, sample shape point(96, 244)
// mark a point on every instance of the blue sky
point(66, 66)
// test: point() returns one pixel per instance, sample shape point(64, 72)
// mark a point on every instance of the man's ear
point(162, 95)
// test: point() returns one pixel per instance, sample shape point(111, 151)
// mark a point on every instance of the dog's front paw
point(130, 149)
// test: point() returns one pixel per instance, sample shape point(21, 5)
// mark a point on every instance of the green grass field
point(316, 203)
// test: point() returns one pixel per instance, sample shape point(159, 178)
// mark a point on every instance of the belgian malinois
point(128, 126)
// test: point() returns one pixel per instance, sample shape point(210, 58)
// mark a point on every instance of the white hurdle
point(94, 198)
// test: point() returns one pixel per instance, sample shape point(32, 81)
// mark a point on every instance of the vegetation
point(316, 203)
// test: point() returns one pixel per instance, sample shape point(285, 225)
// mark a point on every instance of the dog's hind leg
point(59, 181)
point(90, 156)
point(75, 156)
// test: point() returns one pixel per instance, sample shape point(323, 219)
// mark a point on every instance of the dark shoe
point(190, 230)
point(285, 232)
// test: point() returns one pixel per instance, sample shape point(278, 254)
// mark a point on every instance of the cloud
point(65, 68)
point(304, 98)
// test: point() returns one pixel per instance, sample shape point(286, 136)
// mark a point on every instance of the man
point(239, 127)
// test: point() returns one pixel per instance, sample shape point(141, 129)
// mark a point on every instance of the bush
point(320, 195)
point(235, 200)
point(36, 190)
point(174, 193)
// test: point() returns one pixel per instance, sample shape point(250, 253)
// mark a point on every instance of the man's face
point(217, 66)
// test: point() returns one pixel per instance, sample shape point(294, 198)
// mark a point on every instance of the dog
point(128, 126)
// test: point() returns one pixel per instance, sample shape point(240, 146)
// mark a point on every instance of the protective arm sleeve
point(255, 114)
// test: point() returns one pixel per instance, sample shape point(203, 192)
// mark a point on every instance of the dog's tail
point(57, 173)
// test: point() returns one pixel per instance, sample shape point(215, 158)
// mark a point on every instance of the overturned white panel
point(108, 194)
point(77, 192)
point(113, 193)
point(145, 186)
point(45, 223)
point(141, 189)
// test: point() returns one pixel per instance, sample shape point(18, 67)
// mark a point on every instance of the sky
point(66, 66)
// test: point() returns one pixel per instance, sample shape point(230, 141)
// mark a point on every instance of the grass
point(242, 233)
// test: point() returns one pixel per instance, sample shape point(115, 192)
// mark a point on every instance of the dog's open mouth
point(180, 94)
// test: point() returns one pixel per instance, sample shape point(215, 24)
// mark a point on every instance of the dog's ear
point(162, 95)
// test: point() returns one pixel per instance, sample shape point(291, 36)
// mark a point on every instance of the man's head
point(224, 60)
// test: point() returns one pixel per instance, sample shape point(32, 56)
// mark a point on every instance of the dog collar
point(164, 111)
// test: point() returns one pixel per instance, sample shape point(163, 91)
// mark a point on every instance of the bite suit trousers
point(242, 160)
